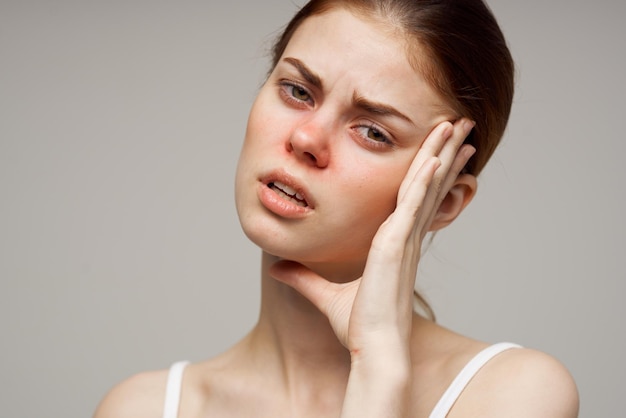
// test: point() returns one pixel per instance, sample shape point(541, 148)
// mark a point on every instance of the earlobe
point(459, 196)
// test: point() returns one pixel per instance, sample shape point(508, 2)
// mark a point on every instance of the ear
point(459, 196)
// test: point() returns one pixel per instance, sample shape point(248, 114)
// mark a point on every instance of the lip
point(278, 204)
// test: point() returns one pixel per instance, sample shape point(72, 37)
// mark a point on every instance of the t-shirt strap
point(459, 383)
point(173, 389)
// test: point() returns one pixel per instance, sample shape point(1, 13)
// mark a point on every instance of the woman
point(368, 133)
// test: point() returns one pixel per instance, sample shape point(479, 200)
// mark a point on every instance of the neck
point(299, 338)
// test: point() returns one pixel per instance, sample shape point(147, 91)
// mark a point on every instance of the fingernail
point(448, 131)
point(468, 126)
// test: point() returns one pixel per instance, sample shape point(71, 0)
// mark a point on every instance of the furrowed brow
point(305, 72)
point(376, 108)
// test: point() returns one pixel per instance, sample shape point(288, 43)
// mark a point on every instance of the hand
point(374, 313)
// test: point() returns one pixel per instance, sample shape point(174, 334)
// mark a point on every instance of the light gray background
point(120, 251)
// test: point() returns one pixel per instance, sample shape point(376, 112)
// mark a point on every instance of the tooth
point(285, 188)
point(299, 196)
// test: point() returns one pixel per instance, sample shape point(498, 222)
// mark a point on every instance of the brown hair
point(467, 61)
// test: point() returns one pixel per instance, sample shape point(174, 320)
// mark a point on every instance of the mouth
point(288, 193)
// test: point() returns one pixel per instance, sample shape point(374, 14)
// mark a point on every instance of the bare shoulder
point(520, 383)
point(140, 396)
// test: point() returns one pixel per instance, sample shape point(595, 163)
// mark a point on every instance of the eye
point(374, 135)
point(295, 94)
point(300, 93)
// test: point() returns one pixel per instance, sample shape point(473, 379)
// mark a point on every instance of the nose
point(309, 142)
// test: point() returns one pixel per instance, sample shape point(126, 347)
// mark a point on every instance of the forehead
point(337, 39)
point(367, 55)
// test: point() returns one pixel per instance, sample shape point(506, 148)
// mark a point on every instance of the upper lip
point(282, 176)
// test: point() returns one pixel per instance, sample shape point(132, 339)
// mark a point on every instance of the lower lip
point(276, 204)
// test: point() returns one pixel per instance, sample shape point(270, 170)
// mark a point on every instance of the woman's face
point(329, 140)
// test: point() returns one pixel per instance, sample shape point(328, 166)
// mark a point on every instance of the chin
point(324, 257)
point(275, 242)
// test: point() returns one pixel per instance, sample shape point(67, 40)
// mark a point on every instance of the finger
point(394, 232)
point(453, 155)
point(464, 155)
point(460, 161)
point(431, 146)
point(424, 190)
point(392, 253)
point(450, 149)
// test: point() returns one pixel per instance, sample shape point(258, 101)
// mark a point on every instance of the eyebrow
point(358, 101)
point(305, 72)
point(377, 108)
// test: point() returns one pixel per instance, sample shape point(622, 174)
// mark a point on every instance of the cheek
point(266, 115)
point(373, 191)
point(258, 123)
point(261, 137)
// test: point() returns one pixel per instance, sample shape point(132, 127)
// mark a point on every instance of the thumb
point(309, 284)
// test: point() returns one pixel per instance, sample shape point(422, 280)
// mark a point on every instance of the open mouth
point(288, 193)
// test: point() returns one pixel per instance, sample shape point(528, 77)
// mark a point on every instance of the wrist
point(378, 388)
point(388, 364)
point(386, 353)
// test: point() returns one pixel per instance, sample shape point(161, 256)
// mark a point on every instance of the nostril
point(310, 156)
